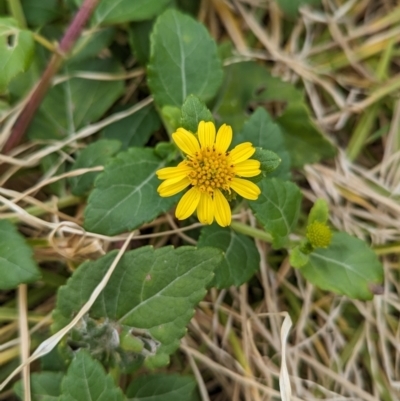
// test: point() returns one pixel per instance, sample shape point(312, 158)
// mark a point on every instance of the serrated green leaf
point(136, 129)
point(87, 380)
point(153, 291)
point(194, 111)
point(304, 141)
point(248, 83)
point(298, 258)
point(39, 13)
point(262, 132)
point(95, 154)
point(291, 7)
point(125, 194)
point(319, 212)
point(184, 60)
point(120, 11)
point(45, 386)
point(278, 208)
point(16, 258)
point(269, 161)
point(347, 267)
point(16, 50)
point(163, 387)
point(76, 102)
point(241, 258)
point(139, 40)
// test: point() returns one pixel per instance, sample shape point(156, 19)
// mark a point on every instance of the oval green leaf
point(278, 208)
point(136, 129)
point(76, 102)
point(184, 60)
point(125, 194)
point(303, 139)
point(16, 50)
point(95, 154)
point(263, 132)
point(241, 258)
point(153, 291)
point(348, 267)
point(120, 11)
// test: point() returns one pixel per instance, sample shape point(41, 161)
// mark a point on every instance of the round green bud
point(319, 234)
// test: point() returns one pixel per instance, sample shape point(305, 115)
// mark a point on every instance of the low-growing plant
point(159, 159)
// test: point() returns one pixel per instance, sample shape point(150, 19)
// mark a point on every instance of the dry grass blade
point(25, 340)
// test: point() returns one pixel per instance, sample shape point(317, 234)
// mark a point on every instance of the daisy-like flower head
point(210, 171)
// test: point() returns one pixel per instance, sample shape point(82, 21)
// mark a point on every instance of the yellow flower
point(209, 170)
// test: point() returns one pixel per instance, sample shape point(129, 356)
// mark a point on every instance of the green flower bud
point(130, 343)
point(319, 234)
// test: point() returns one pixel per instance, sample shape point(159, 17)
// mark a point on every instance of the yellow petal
point(205, 209)
point(245, 188)
point(242, 152)
point(206, 133)
point(186, 141)
point(188, 204)
point(172, 187)
point(223, 213)
point(224, 138)
point(177, 173)
point(248, 168)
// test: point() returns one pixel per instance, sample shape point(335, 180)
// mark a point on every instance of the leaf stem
point(250, 231)
point(17, 12)
point(44, 42)
point(38, 93)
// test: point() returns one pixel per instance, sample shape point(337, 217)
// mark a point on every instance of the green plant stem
point(250, 231)
point(44, 42)
point(17, 12)
point(362, 131)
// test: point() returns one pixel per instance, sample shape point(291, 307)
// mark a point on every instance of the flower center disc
point(211, 170)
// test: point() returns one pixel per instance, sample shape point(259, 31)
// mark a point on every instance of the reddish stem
point(66, 44)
